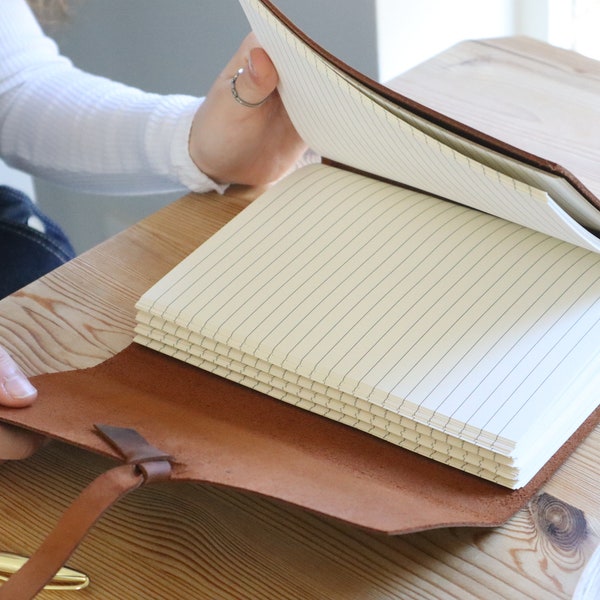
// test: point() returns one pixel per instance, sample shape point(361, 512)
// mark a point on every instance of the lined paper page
point(343, 124)
point(450, 317)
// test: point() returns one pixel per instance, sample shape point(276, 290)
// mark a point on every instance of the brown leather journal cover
point(222, 433)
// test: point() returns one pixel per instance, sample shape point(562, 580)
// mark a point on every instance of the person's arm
point(80, 130)
point(88, 132)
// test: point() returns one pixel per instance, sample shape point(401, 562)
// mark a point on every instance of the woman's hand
point(233, 143)
point(15, 389)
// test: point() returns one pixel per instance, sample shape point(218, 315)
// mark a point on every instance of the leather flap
point(219, 432)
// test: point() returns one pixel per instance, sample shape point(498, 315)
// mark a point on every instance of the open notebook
point(464, 330)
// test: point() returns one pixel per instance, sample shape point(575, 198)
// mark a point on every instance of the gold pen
point(65, 578)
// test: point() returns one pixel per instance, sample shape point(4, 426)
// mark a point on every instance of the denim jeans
point(31, 244)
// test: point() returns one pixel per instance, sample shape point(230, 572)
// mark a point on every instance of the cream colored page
point(440, 313)
point(559, 189)
point(341, 123)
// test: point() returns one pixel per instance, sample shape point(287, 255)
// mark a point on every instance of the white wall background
point(179, 46)
point(406, 38)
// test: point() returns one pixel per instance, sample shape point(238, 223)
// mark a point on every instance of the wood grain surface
point(200, 542)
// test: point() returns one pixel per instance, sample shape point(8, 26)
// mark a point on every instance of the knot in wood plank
point(562, 524)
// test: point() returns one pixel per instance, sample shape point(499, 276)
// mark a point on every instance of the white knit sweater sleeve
point(85, 131)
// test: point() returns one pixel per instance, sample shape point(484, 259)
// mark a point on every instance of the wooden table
point(193, 541)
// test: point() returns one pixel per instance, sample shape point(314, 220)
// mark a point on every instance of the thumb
point(258, 79)
point(15, 388)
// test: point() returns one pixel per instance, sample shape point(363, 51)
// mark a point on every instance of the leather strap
point(145, 464)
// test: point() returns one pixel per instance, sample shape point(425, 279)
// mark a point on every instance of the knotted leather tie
point(144, 464)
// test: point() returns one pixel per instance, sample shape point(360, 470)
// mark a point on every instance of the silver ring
point(238, 98)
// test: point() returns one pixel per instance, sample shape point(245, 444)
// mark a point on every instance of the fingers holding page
point(242, 133)
point(253, 85)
